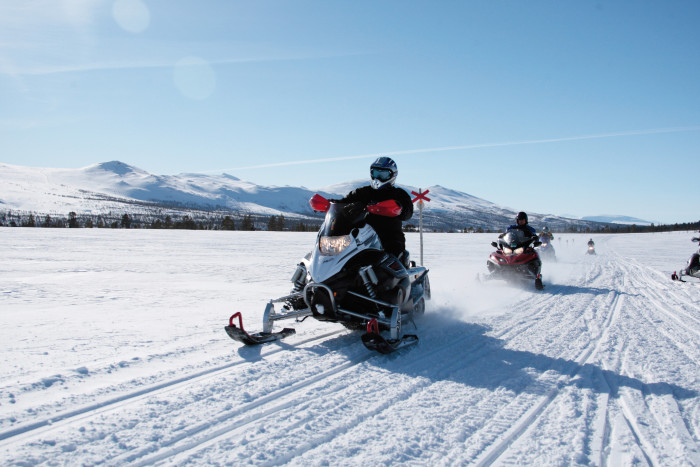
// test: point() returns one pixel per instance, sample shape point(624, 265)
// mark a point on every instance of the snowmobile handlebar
point(526, 244)
point(388, 208)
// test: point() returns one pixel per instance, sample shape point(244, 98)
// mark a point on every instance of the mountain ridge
point(107, 187)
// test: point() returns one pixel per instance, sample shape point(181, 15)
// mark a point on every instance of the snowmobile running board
point(239, 334)
point(374, 341)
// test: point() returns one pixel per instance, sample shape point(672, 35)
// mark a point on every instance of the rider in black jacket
point(388, 205)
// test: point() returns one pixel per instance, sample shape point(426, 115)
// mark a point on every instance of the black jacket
point(388, 228)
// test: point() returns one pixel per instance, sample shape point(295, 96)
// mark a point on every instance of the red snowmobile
point(515, 259)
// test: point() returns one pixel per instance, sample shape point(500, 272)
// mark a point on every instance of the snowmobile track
point(518, 427)
point(242, 413)
point(211, 432)
point(645, 416)
point(40, 427)
point(244, 419)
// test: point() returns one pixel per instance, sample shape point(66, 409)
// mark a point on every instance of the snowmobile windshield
point(514, 242)
point(514, 239)
point(341, 218)
point(335, 234)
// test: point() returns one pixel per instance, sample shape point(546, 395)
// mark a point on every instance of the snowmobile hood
point(325, 262)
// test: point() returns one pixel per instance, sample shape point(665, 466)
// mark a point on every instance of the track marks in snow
point(40, 427)
point(522, 414)
point(207, 432)
point(356, 394)
point(367, 395)
point(648, 413)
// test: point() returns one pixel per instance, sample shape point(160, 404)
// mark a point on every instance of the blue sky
point(579, 108)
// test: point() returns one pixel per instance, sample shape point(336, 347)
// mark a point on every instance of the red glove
point(319, 204)
point(388, 208)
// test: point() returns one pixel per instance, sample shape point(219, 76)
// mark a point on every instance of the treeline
point(202, 220)
point(247, 222)
point(657, 228)
point(607, 228)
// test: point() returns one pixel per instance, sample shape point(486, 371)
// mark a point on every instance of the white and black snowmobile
point(692, 268)
point(348, 278)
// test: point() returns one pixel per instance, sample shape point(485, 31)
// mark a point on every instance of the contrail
point(464, 147)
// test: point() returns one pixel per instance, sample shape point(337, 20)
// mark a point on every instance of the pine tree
point(228, 224)
point(72, 220)
point(272, 224)
point(247, 223)
point(30, 222)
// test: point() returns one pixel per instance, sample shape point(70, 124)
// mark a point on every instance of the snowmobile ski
point(538, 283)
point(239, 334)
point(375, 341)
point(386, 346)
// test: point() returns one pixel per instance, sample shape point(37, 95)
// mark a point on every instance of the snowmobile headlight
point(519, 251)
point(331, 246)
point(507, 251)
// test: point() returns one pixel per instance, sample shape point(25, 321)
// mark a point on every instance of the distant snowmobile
point(348, 278)
point(591, 248)
point(692, 268)
point(515, 259)
point(546, 249)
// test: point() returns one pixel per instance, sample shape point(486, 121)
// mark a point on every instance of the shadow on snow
point(462, 352)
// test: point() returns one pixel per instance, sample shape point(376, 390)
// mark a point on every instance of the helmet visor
point(380, 174)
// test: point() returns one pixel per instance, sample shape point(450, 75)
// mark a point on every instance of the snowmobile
point(692, 269)
point(546, 249)
point(515, 259)
point(348, 278)
point(591, 250)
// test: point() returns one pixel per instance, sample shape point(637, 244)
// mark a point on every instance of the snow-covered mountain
point(617, 219)
point(116, 187)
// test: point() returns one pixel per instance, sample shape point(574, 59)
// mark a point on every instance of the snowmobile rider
point(521, 224)
point(382, 187)
point(591, 243)
point(546, 235)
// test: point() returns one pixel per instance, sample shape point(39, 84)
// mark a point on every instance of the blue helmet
point(383, 172)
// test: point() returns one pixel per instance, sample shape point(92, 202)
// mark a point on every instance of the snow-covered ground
point(114, 352)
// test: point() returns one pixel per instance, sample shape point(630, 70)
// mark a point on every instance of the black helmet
point(521, 215)
point(383, 172)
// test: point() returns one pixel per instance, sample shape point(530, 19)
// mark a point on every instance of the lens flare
point(131, 15)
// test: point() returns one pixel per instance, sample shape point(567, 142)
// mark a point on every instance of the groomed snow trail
point(116, 355)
